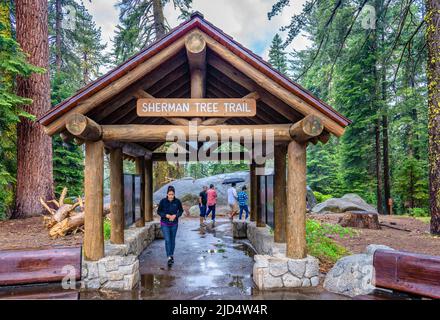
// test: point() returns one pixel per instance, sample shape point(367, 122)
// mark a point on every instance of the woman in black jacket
point(170, 209)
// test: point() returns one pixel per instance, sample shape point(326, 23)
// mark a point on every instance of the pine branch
point(404, 49)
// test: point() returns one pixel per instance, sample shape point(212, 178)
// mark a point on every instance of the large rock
point(189, 188)
point(353, 275)
point(349, 202)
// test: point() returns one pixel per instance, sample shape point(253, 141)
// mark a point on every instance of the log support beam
point(280, 193)
point(259, 205)
point(140, 170)
point(253, 191)
point(130, 149)
point(296, 201)
point(302, 131)
point(117, 196)
point(148, 207)
point(196, 53)
point(94, 195)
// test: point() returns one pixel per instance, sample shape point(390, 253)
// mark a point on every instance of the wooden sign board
point(196, 107)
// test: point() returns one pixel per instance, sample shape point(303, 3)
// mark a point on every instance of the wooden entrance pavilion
point(195, 60)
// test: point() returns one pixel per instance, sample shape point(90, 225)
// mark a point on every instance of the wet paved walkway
point(209, 264)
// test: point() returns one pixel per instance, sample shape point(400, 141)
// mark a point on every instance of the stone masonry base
point(119, 269)
point(272, 269)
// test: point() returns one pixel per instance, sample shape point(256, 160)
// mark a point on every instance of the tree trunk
point(378, 171)
point(58, 21)
point(433, 42)
point(386, 164)
point(34, 147)
point(159, 19)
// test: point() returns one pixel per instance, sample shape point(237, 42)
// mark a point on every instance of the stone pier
point(119, 269)
point(272, 268)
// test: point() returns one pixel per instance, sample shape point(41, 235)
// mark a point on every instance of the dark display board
point(132, 198)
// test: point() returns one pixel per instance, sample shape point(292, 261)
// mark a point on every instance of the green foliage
point(107, 229)
point(411, 184)
point(82, 55)
point(320, 245)
point(136, 28)
point(321, 197)
point(418, 212)
point(366, 74)
point(277, 56)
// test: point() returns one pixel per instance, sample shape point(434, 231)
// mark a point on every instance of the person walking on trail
point(243, 202)
point(211, 202)
point(203, 199)
point(232, 201)
point(170, 209)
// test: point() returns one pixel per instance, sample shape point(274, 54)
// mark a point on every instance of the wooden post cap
point(195, 43)
point(309, 127)
point(81, 126)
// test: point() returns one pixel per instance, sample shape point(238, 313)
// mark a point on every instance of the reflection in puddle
point(154, 282)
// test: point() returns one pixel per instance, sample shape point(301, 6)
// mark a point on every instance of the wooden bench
point(404, 275)
point(41, 266)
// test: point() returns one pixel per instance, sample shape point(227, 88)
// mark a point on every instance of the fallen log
point(68, 225)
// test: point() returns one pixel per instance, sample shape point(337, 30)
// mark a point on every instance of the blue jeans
point(169, 233)
point(211, 209)
point(245, 208)
point(202, 208)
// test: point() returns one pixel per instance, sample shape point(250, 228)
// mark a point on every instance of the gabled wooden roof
point(171, 79)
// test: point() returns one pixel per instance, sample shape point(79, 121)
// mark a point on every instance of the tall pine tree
point(277, 56)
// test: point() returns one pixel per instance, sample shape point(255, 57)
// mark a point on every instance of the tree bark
point(34, 147)
point(433, 42)
point(159, 19)
point(58, 21)
point(378, 171)
point(386, 164)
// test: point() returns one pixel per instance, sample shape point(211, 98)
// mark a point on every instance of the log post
point(148, 190)
point(280, 193)
point(83, 127)
point(94, 204)
point(260, 220)
point(253, 191)
point(296, 200)
point(140, 170)
point(117, 196)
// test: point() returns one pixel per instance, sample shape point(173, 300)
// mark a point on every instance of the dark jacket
point(169, 207)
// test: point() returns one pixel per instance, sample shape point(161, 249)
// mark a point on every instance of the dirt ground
point(413, 237)
point(30, 233)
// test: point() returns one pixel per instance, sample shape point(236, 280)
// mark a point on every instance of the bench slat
point(407, 272)
point(39, 266)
